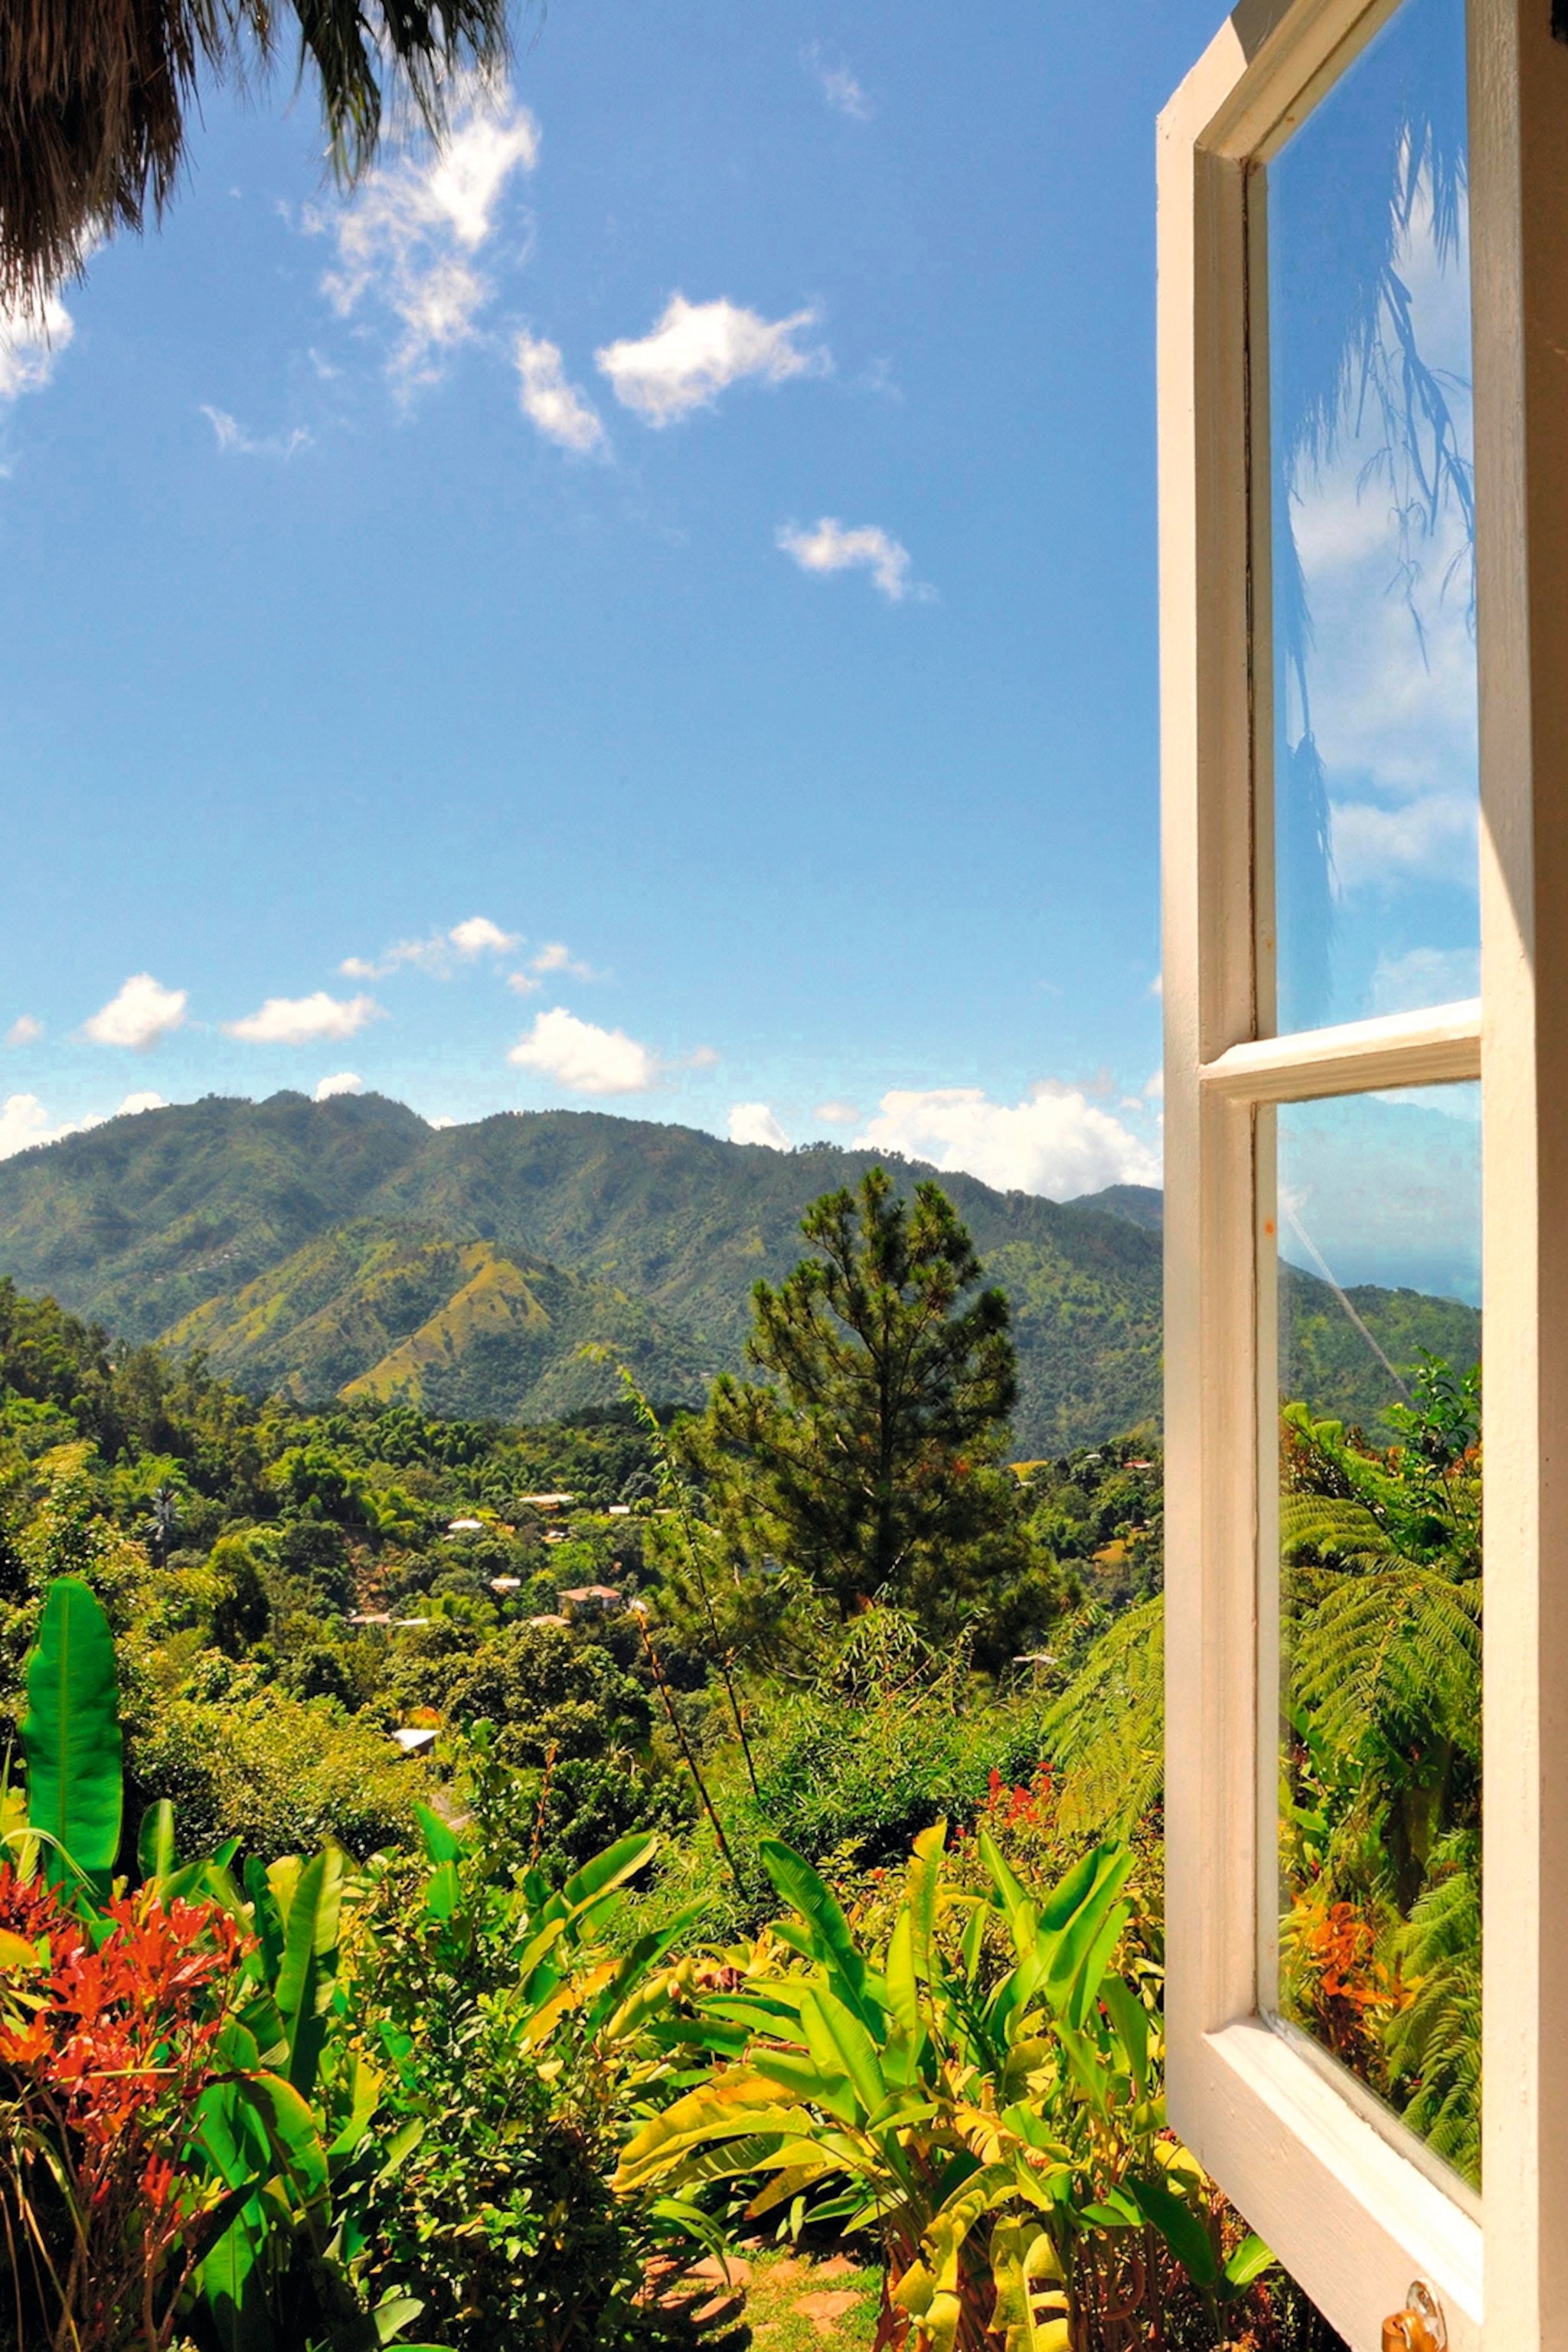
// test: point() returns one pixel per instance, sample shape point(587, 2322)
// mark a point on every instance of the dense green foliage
point(621, 1626)
point(1380, 1950)
point(868, 1456)
point(979, 2088)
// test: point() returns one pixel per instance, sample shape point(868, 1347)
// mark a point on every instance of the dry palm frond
point(93, 96)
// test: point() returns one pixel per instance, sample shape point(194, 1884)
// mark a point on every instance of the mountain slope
point(141, 1220)
point(457, 1327)
point(320, 1246)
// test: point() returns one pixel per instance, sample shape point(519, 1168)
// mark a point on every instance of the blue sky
point(654, 614)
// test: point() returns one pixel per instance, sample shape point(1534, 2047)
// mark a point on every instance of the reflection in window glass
point(1375, 776)
point(1378, 1265)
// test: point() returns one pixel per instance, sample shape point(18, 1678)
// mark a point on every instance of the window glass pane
point(1378, 1241)
point(1372, 579)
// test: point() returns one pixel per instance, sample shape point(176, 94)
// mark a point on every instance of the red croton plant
point(110, 2034)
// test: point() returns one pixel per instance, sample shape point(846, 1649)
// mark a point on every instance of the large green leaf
point(828, 1931)
point(1181, 2228)
point(607, 1872)
point(840, 2042)
point(155, 1841)
point(230, 2283)
point(1084, 1920)
point(1251, 2259)
point(1032, 2312)
point(72, 1733)
point(309, 1959)
point(442, 1842)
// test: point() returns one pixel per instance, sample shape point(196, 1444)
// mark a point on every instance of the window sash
point(1351, 2211)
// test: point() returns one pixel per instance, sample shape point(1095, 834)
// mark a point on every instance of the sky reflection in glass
point(1376, 781)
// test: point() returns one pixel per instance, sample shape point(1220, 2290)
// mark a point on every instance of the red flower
point(109, 2045)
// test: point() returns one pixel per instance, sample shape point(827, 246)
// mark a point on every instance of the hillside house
point(591, 1600)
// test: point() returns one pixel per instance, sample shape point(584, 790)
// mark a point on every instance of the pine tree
point(868, 1456)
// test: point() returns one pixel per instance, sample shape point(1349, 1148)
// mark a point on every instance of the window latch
point(1420, 2327)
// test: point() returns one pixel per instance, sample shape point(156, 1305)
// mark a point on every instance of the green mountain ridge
point(318, 1248)
point(380, 1312)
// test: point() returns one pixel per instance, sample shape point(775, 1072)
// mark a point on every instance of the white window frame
point(1352, 2208)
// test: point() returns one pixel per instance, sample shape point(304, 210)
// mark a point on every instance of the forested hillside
point(374, 1311)
point(500, 1269)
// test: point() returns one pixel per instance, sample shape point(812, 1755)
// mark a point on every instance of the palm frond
point(94, 94)
point(1323, 1530)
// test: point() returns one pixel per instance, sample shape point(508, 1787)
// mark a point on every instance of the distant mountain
point(1144, 1203)
point(456, 1328)
point(324, 1247)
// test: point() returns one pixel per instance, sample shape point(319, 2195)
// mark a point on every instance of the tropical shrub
point(182, 2116)
point(279, 1773)
point(512, 2041)
point(984, 2096)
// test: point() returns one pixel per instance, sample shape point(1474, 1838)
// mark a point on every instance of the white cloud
point(590, 1060)
point(523, 983)
point(230, 434)
point(31, 341)
point(478, 936)
point(838, 85)
point(829, 547)
point(1424, 976)
point(24, 1030)
point(698, 349)
point(425, 955)
point(408, 239)
point(837, 1114)
point(755, 1123)
point(302, 1019)
point(341, 1082)
point(1430, 838)
point(1055, 1141)
point(1390, 660)
point(549, 401)
point(141, 1012)
point(556, 956)
point(24, 1121)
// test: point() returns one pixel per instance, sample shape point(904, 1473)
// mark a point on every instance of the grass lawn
point(797, 2301)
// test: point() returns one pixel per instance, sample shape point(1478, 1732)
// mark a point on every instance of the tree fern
point(1105, 1734)
point(1388, 1661)
point(1435, 2041)
point(1327, 1531)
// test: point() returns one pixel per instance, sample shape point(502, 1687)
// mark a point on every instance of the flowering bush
point(111, 2037)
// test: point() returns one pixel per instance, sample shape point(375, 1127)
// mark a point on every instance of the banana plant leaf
point(71, 1736)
